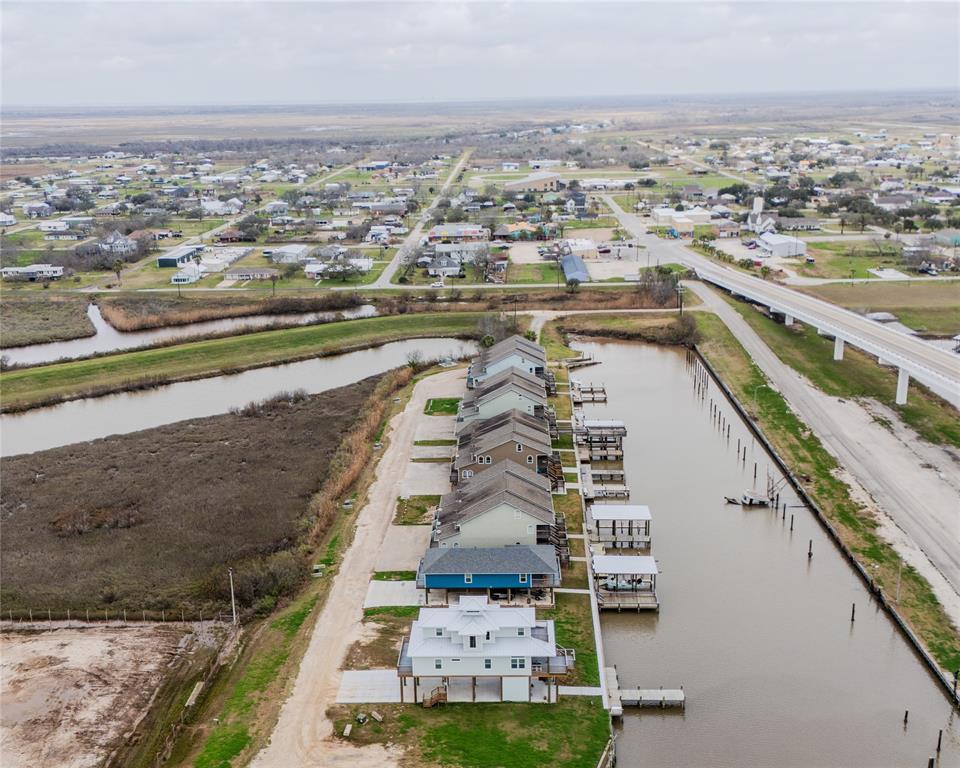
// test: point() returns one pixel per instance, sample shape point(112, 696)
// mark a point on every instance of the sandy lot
point(69, 695)
point(526, 253)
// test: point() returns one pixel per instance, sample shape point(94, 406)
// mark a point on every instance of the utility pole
point(233, 599)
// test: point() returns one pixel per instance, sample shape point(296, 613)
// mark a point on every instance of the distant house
point(797, 224)
point(477, 650)
point(457, 233)
point(189, 273)
point(118, 244)
point(726, 228)
point(291, 254)
point(444, 266)
point(251, 273)
point(509, 167)
point(465, 253)
point(574, 269)
point(178, 257)
point(520, 230)
point(33, 272)
point(543, 181)
point(6, 220)
point(276, 208)
point(781, 246)
point(36, 209)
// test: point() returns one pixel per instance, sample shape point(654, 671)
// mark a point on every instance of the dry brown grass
point(137, 313)
point(152, 520)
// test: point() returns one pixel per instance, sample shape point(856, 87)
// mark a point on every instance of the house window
point(468, 578)
point(521, 631)
point(518, 662)
point(516, 514)
point(438, 663)
point(529, 459)
point(488, 663)
point(488, 634)
point(519, 448)
point(530, 529)
point(523, 578)
point(488, 459)
point(473, 641)
point(454, 660)
point(468, 473)
point(438, 631)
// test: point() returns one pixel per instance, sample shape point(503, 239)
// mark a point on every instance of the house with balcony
point(513, 352)
point(511, 389)
point(513, 440)
point(508, 504)
point(476, 650)
point(515, 572)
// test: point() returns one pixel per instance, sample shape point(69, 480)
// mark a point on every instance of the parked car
point(437, 284)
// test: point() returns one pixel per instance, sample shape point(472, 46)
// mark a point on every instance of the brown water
point(90, 418)
point(759, 636)
point(109, 339)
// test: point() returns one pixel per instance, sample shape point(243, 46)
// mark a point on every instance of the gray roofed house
point(481, 426)
point(513, 352)
point(445, 568)
point(574, 269)
point(509, 389)
point(512, 440)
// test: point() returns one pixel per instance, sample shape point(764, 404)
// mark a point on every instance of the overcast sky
point(135, 53)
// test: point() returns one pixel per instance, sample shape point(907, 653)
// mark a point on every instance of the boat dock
point(587, 393)
point(593, 490)
point(618, 697)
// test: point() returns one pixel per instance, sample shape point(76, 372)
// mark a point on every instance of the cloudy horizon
point(325, 53)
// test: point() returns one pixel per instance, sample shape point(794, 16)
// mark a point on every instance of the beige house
point(542, 181)
point(512, 441)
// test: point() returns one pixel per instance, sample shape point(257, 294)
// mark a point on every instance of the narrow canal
point(109, 339)
point(90, 418)
point(758, 634)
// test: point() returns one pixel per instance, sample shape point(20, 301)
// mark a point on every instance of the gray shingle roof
point(515, 558)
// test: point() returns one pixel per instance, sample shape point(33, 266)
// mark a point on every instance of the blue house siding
point(480, 581)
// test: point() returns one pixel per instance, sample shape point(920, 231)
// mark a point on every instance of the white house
point(118, 244)
point(291, 254)
point(6, 220)
point(481, 651)
point(32, 272)
point(187, 274)
point(511, 389)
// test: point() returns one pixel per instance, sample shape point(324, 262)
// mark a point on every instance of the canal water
point(109, 339)
point(90, 418)
point(758, 635)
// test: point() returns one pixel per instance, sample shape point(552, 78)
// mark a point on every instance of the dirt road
point(302, 736)
point(913, 484)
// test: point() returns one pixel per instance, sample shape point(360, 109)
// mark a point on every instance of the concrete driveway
point(381, 593)
point(402, 548)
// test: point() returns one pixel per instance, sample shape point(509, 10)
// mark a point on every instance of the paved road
point(411, 241)
point(913, 482)
point(935, 367)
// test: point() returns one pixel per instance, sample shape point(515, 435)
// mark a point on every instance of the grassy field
point(853, 259)
point(213, 357)
point(859, 375)
point(569, 734)
point(441, 406)
point(415, 510)
point(40, 319)
point(547, 272)
point(929, 306)
point(150, 520)
point(804, 453)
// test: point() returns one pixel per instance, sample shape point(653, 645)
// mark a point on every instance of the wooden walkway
point(618, 698)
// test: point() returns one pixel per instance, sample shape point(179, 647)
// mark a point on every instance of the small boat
point(748, 499)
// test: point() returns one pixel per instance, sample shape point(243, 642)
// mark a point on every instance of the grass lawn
point(852, 259)
point(435, 442)
point(547, 272)
point(415, 510)
point(858, 375)
point(931, 306)
point(807, 457)
point(574, 627)
point(441, 406)
point(394, 575)
point(35, 319)
point(569, 734)
point(213, 357)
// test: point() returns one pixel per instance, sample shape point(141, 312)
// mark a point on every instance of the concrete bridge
point(935, 368)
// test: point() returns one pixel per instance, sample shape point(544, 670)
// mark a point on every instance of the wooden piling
point(810, 549)
point(853, 613)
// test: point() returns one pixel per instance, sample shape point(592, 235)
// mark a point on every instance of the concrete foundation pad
point(403, 546)
point(369, 686)
point(381, 593)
